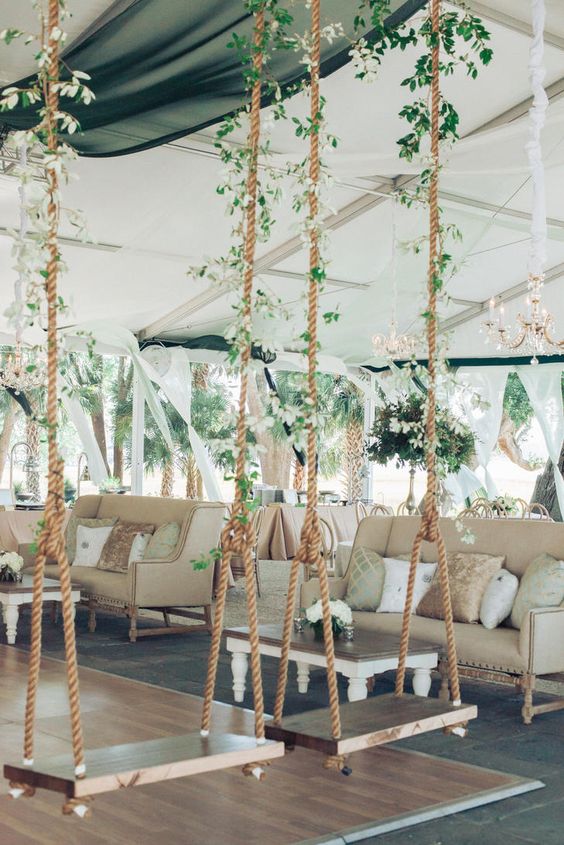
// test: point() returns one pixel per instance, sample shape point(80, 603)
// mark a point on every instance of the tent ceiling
point(156, 212)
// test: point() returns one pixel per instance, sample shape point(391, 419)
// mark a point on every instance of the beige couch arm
point(166, 583)
point(541, 640)
point(310, 590)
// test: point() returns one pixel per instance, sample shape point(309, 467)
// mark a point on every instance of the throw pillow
point(115, 554)
point(163, 542)
point(542, 585)
point(138, 547)
point(469, 573)
point(366, 579)
point(72, 526)
point(395, 584)
point(498, 599)
point(89, 544)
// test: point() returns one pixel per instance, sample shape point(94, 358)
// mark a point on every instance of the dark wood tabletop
point(367, 645)
point(26, 586)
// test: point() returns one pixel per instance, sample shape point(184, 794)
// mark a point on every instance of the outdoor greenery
point(398, 433)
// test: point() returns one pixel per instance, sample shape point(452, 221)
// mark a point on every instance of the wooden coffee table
point(15, 593)
point(369, 654)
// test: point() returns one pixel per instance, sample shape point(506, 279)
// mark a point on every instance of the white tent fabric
point(544, 389)
point(96, 465)
point(488, 384)
point(170, 369)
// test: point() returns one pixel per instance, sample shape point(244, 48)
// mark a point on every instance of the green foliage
point(516, 403)
point(399, 429)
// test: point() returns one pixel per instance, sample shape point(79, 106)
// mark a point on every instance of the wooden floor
point(299, 801)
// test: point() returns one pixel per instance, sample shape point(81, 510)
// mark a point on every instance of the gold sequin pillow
point(115, 554)
point(469, 574)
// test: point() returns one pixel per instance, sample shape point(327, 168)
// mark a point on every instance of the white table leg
point(422, 681)
point(11, 613)
point(303, 676)
point(357, 689)
point(239, 664)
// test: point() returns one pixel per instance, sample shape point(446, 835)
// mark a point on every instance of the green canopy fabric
point(161, 69)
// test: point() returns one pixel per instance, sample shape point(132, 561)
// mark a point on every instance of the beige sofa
point(499, 654)
point(158, 584)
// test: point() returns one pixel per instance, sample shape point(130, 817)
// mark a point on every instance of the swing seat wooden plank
point(373, 721)
point(139, 763)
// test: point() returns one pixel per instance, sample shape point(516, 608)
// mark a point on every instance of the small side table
point(15, 593)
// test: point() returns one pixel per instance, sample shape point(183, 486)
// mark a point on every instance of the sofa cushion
point(498, 599)
point(88, 522)
point(115, 554)
point(395, 584)
point(476, 645)
point(469, 574)
point(163, 542)
point(542, 585)
point(95, 582)
point(89, 544)
point(365, 579)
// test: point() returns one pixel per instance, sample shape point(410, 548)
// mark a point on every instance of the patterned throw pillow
point(498, 599)
point(366, 579)
point(469, 573)
point(72, 526)
point(163, 542)
point(89, 544)
point(395, 584)
point(115, 554)
point(542, 585)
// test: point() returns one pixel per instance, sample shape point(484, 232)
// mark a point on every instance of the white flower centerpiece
point(341, 617)
point(11, 566)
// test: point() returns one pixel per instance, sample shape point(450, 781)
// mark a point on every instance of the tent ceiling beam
point(501, 211)
point(553, 92)
point(507, 295)
point(299, 277)
point(509, 22)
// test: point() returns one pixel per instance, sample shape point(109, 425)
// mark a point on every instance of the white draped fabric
point(488, 384)
point(83, 425)
point(544, 388)
point(170, 369)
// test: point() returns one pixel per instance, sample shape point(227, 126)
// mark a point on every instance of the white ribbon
point(75, 411)
point(537, 115)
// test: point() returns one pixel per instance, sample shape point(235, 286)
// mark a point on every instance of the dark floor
point(497, 740)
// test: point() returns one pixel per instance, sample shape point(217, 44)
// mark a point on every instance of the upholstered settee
point(162, 584)
point(501, 654)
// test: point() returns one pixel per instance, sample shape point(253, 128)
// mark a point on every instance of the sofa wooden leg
point(54, 612)
point(132, 624)
point(166, 618)
point(370, 684)
point(91, 617)
point(208, 618)
point(444, 692)
point(528, 687)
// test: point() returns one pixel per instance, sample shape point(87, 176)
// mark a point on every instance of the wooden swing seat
point(139, 763)
point(373, 721)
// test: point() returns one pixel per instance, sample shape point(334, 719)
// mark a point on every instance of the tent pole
point(137, 437)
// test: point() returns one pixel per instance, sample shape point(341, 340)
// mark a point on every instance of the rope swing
point(51, 543)
point(429, 529)
point(238, 536)
point(309, 550)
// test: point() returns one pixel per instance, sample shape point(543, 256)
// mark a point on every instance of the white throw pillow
point(498, 599)
point(395, 584)
point(89, 544)
point(140, 542)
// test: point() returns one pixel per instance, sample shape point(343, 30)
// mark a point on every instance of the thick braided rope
point(309, 550)
point(238, 534)
point(51, 541)
point(429, 529)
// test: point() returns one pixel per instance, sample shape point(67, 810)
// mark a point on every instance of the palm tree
point(347, 408)
point(87, 375)
point(9, 409)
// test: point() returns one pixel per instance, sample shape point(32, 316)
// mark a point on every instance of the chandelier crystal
point(20, 373)
point(533, 333)
point(394, 344)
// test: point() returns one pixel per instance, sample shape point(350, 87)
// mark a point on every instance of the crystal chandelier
point(20, 373)
point(394, 344)
point(533, 333)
